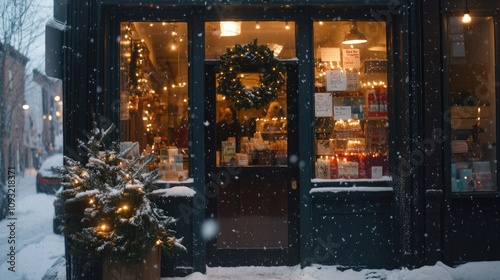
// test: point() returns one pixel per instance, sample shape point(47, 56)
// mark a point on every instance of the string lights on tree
point(108, 203)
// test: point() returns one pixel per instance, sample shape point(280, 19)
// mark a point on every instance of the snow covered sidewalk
point(440, 271)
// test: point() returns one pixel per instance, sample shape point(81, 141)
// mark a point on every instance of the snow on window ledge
point(382, 179)
point(178, 191)
point(350, 189)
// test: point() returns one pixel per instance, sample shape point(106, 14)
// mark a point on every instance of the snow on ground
point(39, 251)
point(36, 247)
point(470, 271)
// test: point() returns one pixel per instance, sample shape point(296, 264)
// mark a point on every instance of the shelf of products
point(351, 108)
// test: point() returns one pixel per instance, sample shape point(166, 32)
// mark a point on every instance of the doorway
point(252, 194)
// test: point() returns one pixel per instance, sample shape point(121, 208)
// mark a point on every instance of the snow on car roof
point(53, 160)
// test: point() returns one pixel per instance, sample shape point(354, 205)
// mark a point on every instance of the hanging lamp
point(466, 18)
point(354, 36)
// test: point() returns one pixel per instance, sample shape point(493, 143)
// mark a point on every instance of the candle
point(334, 168)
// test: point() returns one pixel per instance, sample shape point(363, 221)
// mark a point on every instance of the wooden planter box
point(149, 269)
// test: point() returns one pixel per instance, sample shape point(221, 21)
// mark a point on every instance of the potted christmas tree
point(109, 213)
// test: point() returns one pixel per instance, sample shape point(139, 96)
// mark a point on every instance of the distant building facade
point(43, 123)
point(13, 68)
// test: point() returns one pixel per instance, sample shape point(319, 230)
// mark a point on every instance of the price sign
point(342, 112)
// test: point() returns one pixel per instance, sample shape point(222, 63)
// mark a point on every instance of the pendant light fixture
point(230, 28)
point(466, 18)
point(354, 36)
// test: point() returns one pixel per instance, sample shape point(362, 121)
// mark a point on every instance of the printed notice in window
point(351, 59)
point(336, 80)
point(323, 106)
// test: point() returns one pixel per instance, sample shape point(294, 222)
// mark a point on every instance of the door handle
point(294, 184)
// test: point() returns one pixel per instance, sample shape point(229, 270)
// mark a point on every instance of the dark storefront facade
point(378, 153)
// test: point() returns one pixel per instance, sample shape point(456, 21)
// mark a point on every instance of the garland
point(250, 58)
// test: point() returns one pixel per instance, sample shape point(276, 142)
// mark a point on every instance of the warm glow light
point(466, 18)
point(276, 48)
point(103, 227)
point(287, 27)
point(257, 25)
point(57, 98)
point(91, 201)
point(354, 36)
point(158, 242)
point(230, 28)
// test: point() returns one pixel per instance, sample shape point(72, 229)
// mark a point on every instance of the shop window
point(472, 100)
point(154, 94)
point(252, 136)
point(351, 100)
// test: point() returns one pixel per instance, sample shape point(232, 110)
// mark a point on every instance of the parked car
point(47, 181)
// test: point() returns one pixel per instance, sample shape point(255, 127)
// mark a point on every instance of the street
point(28, 247)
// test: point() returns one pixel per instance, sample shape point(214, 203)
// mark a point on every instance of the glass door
point(252, 175)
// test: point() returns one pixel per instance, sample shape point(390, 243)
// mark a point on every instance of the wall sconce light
point(354, 36)
point(466, 18)
point(257, 25)
point(230, 28)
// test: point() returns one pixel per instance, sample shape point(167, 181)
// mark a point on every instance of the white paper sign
point(352, 82)
point(349, 170)
point(351, 59)
point(377, 172)
point(342, 112)
point(330, 54)
point(336, 80)
point(323, 104)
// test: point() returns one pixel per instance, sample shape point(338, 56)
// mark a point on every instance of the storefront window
point(251, 136)
point(351, 100)
point(472, 100)
point(154, 94)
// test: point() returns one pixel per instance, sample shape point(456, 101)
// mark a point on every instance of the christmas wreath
point(250, 58)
